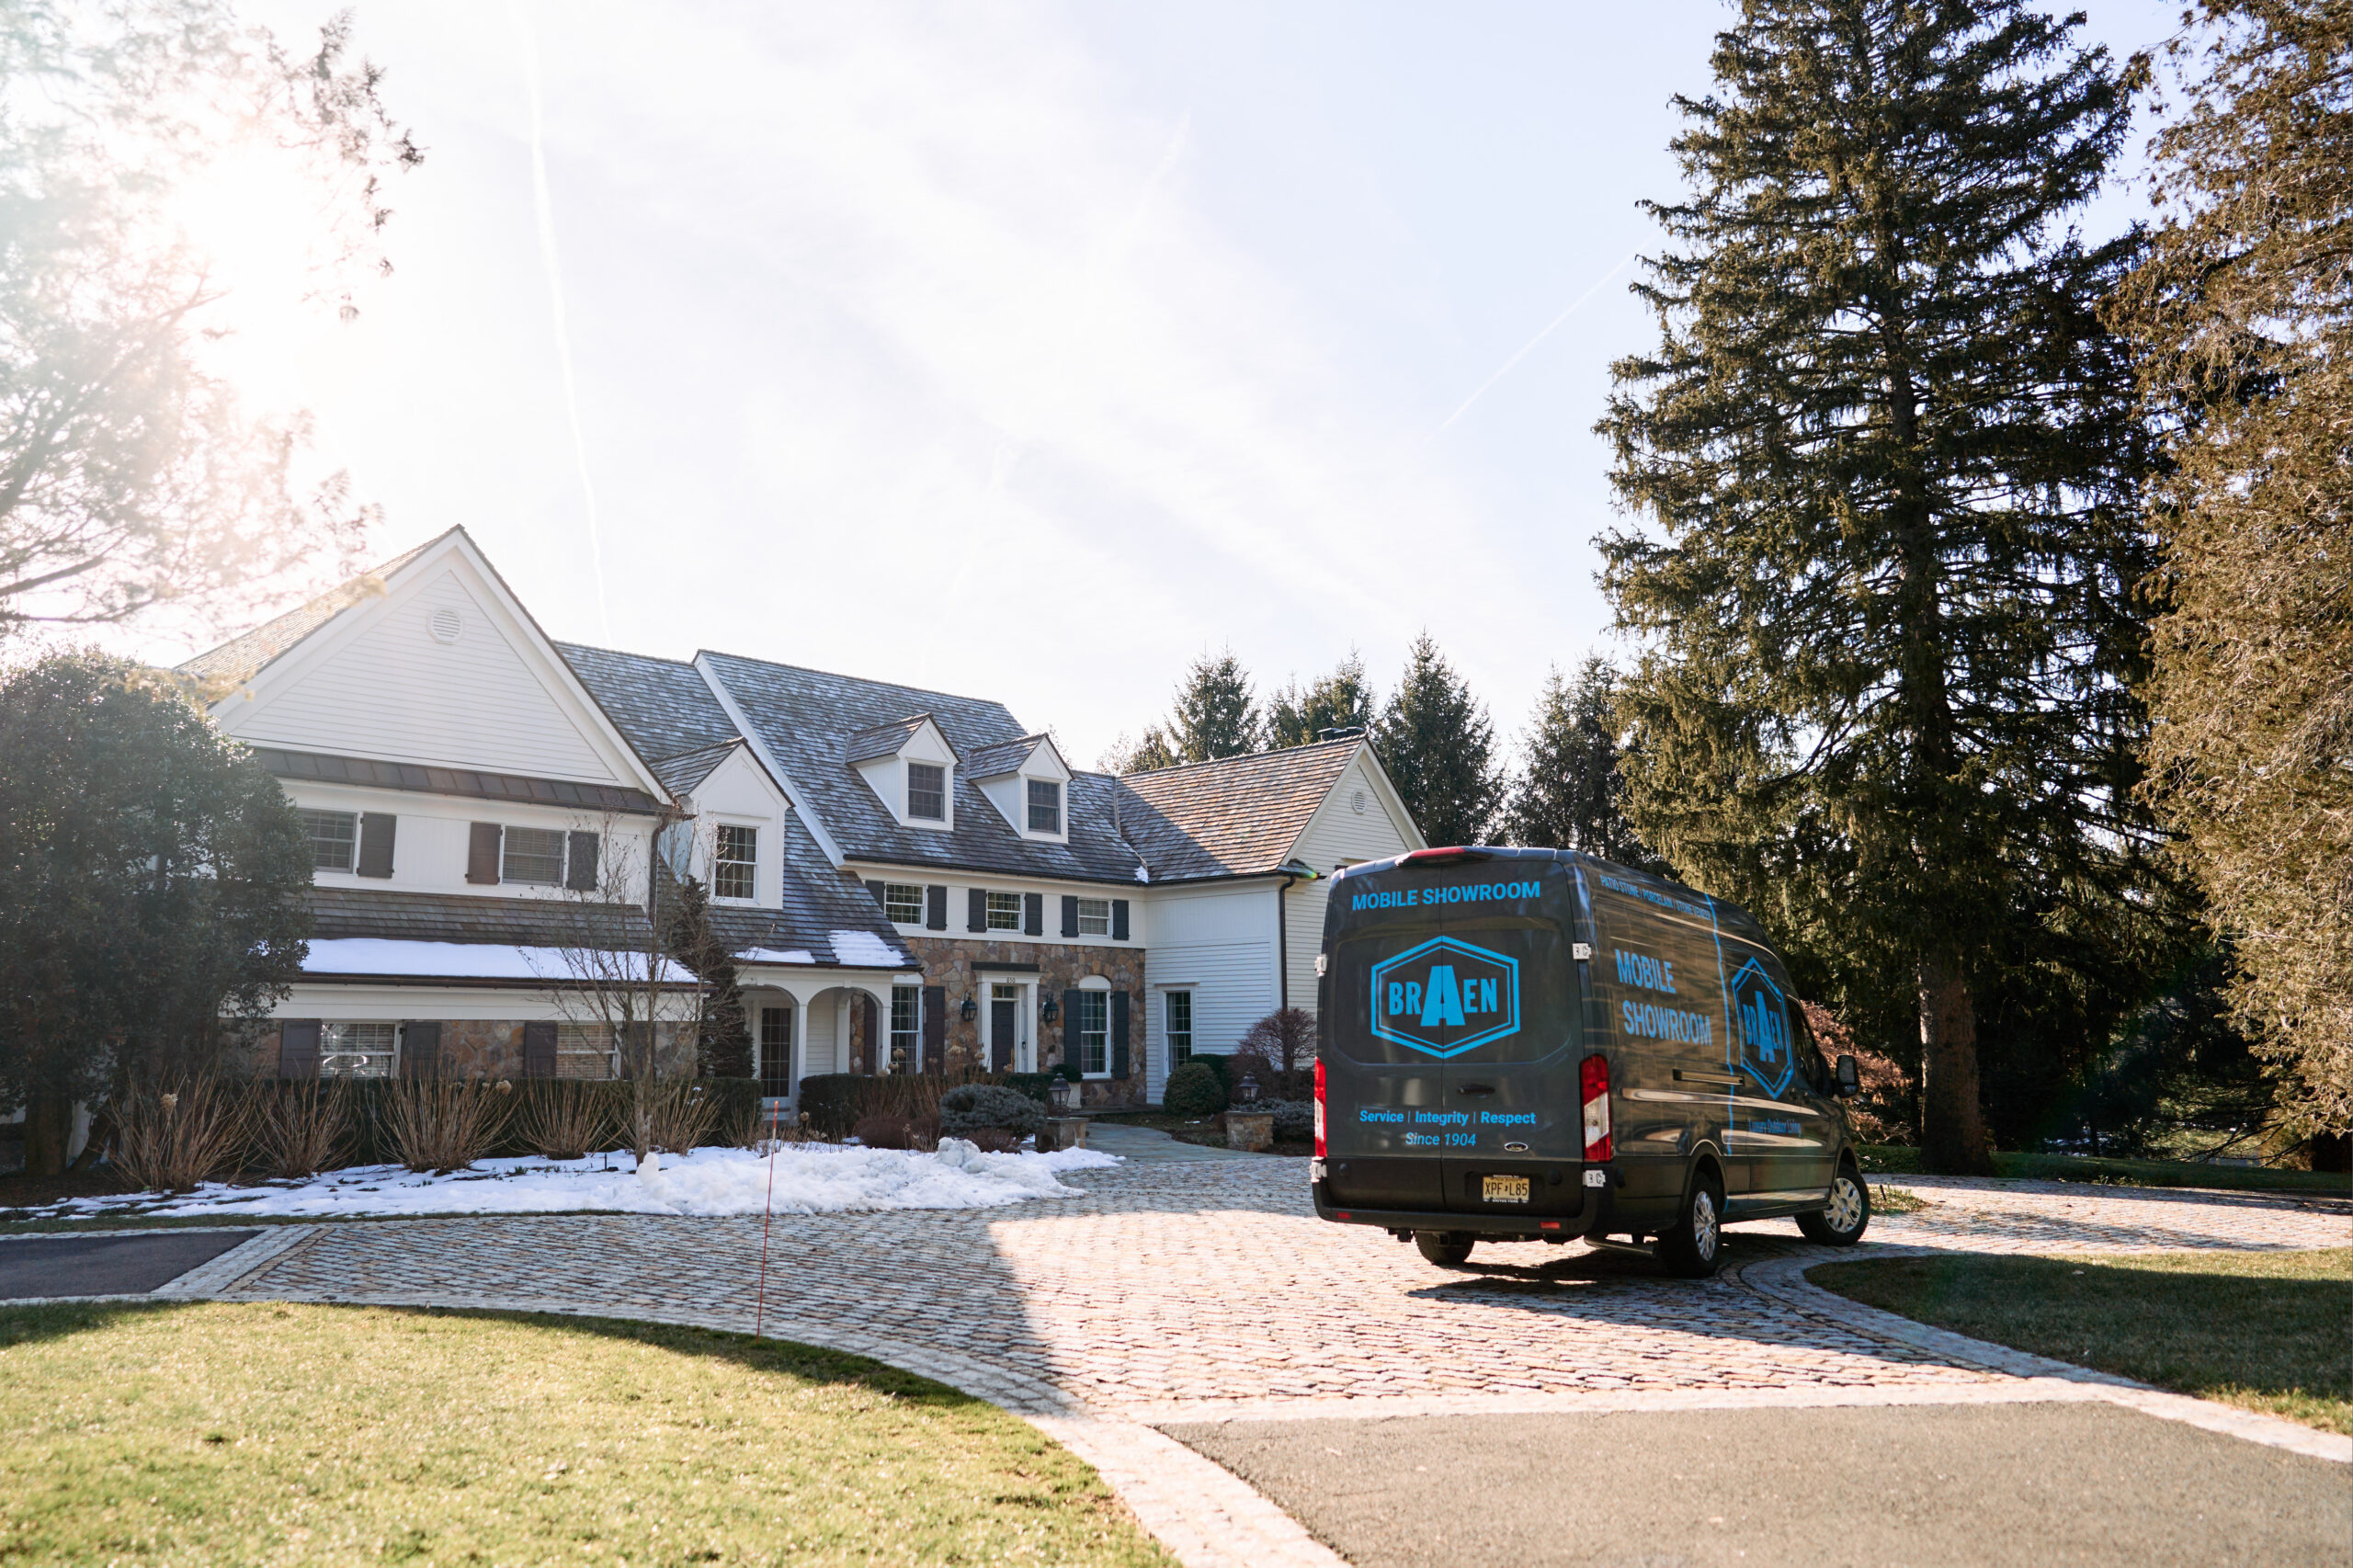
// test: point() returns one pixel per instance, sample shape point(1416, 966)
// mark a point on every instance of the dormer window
point(926, 791)
point(735, 863)
point(1045, 806)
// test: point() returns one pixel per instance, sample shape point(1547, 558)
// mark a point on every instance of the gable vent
point(446, 624)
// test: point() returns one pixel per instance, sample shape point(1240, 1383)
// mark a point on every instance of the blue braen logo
point(1766, 1051)
point(1444, 997)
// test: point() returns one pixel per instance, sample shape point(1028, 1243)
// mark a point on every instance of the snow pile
point(863, 950)
point(810, 1179)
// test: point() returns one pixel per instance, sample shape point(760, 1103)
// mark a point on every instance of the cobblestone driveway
point(1172, 1291)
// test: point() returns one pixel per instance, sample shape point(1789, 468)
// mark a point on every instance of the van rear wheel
point(1842, 1219)
point(1448, 1249)
point(1693, 1247)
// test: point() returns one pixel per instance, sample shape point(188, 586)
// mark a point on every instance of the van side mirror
point(1850, 1078)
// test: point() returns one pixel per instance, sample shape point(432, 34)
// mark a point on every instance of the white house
point(909, 880)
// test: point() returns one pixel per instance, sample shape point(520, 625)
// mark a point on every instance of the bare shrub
point(167, 1139)
point(1285, 1040)
point(445, 1124)
point(993, 1141)
point(301, 1128)
point(756, 1128)
point(884, 1133)
point(675, 1113)
point(563, 1119)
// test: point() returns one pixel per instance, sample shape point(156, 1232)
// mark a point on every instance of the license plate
point(1504, 1189)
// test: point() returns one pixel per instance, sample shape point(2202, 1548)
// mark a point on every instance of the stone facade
point(952, 962)
point(491, 1049)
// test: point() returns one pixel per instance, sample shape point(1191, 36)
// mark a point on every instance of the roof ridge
point(843, 674)
point(1245, 756)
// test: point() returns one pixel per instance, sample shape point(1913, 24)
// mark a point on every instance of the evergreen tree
point(2245, 308)
point(1145, 755)
point(1570, 796)
point(1893, 455)
point(1341, 701)
point(1439, 748)
point(722, 1037)
point(1216, 713)
point(151, 883)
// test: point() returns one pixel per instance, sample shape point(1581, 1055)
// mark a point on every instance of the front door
point(1005, 1023)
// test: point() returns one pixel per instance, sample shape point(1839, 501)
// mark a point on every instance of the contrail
point(555, 304)
point(1540, 338)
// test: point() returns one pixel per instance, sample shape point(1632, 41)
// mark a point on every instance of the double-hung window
point(1094, 917)
point(585, 1050)
point(907, 1023)
point(903, 902)
point(735, 863)
point(334, 838)
point(1177, 1009)
point(1093, 1032)
point(1004, 912)
point(1045, 806)
point(532, 855)
point(358, 1051)
point(926, 791)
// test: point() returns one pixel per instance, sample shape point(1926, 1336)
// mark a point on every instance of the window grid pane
point(533, 854)
point(735, 870)
point(903, 902)
point(1094, 917)
point(1045, 806)
point(1004, 912)
point(334, 836)
point(927, 791)
point(906, 1016)
point(1094, 1048)
point(1181, 1027)
point(583, 1050)
point(357, 1051)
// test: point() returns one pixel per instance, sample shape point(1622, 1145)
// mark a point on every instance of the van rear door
point(1452, 1037)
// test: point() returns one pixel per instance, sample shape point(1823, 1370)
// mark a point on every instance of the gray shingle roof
point(680, 775)
point(882, 739)
point(242, 658)
point(1238, 816)
point(459, 917)
point(805, 718)
point(661, 706)
point(991, 762)
point(465, 781)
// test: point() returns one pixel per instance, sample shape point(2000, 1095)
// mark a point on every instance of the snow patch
point(775, 955)
point(864, 949)
point(818, 1178)
point(453, 960)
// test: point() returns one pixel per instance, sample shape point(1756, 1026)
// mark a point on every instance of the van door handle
point(1474, 1089)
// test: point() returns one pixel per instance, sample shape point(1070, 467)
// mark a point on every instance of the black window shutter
point(420, 1051)
point(1070, 914)
point(1119, 920)
point(1070, 1031)
point(482, 853)
point(1119, 1034)
point(376, 843)
point(881, 902)
point(976, 909)
point(298, 1048)
point(934, 1022)
point(538, 1050)
point(580, 867)
point(934, 909)
point(1033, 914)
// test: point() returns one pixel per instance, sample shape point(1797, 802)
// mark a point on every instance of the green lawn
point(2270, 1331)
point(229, 1433)
point(1892, 1159)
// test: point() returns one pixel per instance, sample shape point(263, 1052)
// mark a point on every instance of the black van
point(1535, 1045)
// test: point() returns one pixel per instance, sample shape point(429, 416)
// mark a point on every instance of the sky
point(1024, 351)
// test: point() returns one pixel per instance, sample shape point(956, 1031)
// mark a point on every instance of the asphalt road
point(1918, 1486)
point(106, 1265)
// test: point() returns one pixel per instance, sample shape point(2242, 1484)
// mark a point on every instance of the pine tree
point(722, 1035)
point(1570, 795)
point(1891, 452)
point(1439, 748)
point(1143, 755)
point(2246, 307)
point(1216, 713)
point(1341, 701)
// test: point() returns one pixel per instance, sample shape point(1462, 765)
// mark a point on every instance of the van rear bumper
point(1592, 1219)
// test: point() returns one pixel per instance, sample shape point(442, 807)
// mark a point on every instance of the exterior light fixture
point(969, 1011)
point(1050, 1011)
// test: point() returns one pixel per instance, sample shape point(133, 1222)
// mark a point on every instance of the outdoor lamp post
point(969, 1011)
point(1246, 1091)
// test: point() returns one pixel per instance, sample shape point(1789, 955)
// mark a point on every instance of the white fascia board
point(792, 791)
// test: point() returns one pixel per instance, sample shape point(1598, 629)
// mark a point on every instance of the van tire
point(1842, 1221)
point(1693, 1247)
point(1448, 1249)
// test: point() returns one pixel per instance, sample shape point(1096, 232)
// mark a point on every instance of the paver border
point(1784, 1280)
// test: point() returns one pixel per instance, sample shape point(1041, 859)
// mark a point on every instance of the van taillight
point(1319, 1108)
point(1593, 1082)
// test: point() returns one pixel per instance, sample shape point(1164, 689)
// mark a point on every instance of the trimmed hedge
point(1194, 1091)
point(969, 1107)
point(1294, 1120)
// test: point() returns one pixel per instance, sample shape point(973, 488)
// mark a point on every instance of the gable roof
point(884, 740)
point(1235, 817)
point(995, 762)
point(241, 658)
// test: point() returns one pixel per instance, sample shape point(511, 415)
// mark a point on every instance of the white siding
point(432, 835)
point(1221, 945)
point(392, 692)
point(739, 793)
point(1336, 835)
